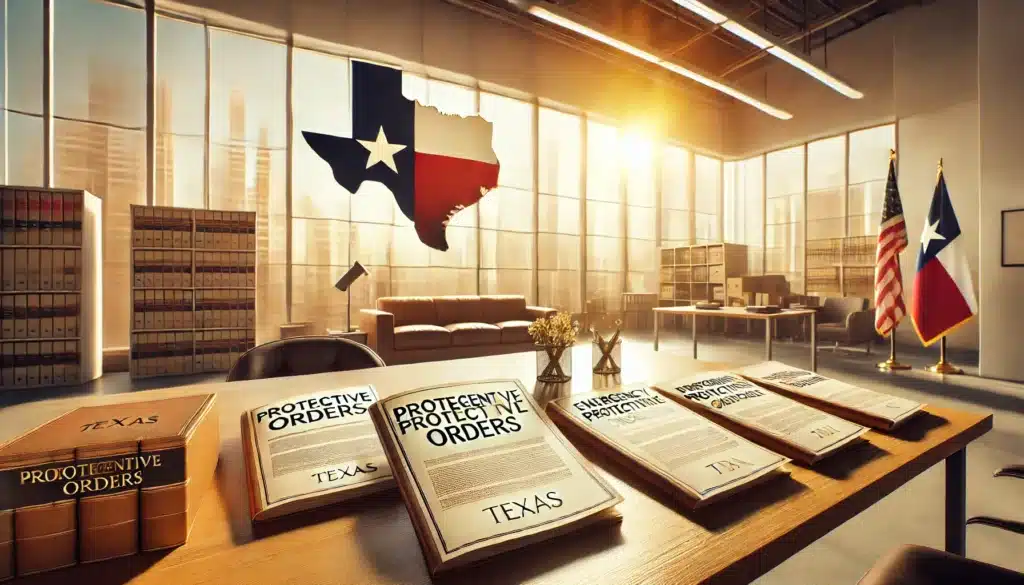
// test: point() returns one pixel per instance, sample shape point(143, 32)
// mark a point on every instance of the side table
point(357, 336)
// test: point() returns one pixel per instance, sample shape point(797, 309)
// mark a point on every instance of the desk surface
point(372, 540)
point(734, 312)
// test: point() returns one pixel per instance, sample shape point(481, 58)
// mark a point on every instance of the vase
point(607, 355)
point(554, 363)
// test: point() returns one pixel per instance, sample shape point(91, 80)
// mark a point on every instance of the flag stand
point(944, 367)
point(891, 363)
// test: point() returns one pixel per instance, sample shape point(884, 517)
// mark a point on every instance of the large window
point(99, 109)
point(320, 207)
point(605, 219)
point(869, 166)
point(784, 215)
point(558, 231)
point(507, 214)
point(248, 156)
point(22, 98)
point(676, 197)
point(826, 187)
point(707, 198)
point(637, 154)
point(180, 113)
point(743, 209)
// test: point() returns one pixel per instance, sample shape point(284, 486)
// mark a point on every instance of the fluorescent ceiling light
point(746, 34)
point(816, 73)
point(762, 43)
point(584, 30)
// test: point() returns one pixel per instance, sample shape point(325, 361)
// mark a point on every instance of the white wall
point(1001, 92)
point(918, 66)
point(437, 34)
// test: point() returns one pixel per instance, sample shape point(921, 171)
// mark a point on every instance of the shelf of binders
point(51, 327)
point(194, 289)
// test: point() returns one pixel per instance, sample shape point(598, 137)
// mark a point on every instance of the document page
point(318, 442)
point(695, 454)
point(806, 428)
point(487, 466)
point(889, 408)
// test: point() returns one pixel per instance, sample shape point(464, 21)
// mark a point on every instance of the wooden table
point(741, 313)
point(371, 541)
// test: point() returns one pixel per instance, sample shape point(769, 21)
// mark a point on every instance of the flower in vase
point(558, 329)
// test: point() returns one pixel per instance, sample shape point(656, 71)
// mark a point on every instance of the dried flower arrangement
point(557, 330)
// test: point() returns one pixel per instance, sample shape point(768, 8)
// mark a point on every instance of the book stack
point(50, 292)
point(194, 289)
point(104, 482)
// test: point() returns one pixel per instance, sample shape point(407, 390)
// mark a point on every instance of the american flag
point(892, 239)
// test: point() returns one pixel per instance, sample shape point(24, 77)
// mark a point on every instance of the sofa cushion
point(458, 309)
point(474, 334)
point(409, 310)
point(498, 308)
point(515, 331)
point(421, 337)
point(835, 309)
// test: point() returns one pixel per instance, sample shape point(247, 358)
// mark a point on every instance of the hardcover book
point(769, 419)
point(106, 481)
point(860, 405)
point(312, 450)
point(682, 453)
point(482, 471)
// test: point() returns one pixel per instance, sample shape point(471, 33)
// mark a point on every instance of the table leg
point(956, 503)
point(768, 340)
point(656, 319)
point(693, 334)
point(814, 344)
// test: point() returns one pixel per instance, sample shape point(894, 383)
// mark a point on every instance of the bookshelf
point(689, 274)
point(841, 266)
point(52, 287)
point(193, 290)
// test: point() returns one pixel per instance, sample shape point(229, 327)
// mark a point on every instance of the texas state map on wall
point(433, 163)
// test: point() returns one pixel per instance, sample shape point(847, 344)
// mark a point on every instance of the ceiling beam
point(689, 42)
point(796, 37)
point(700, 28)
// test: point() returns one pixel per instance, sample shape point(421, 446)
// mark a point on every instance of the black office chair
point(1016, 471)
point(297, 356)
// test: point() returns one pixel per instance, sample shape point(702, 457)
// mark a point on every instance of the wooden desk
point(372, 541)
point(741, 313)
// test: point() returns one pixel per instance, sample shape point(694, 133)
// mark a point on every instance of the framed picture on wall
point(1013, 237)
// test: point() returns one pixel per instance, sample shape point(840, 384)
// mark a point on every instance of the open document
point(673, 447)
point(861, 405)
point(482, 470)
point(779, 423)
point(312, 450)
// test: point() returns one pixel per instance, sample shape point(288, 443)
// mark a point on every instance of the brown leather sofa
point(405, 330)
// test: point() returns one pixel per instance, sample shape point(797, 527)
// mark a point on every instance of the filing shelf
point(193, 289)
point(51, 290)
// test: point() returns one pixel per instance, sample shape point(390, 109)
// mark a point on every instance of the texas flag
point(943, 291)
point(434, 164)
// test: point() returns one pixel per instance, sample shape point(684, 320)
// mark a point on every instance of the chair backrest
point(298, 356)
point(835, 309)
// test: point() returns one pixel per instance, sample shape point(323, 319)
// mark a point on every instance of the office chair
point(297, 356)
point(918, 565)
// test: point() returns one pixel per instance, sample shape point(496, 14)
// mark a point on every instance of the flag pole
point(944, 367)
point(891, 363)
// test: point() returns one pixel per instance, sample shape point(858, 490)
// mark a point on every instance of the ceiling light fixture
point(573, 25)
point(745, 33)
